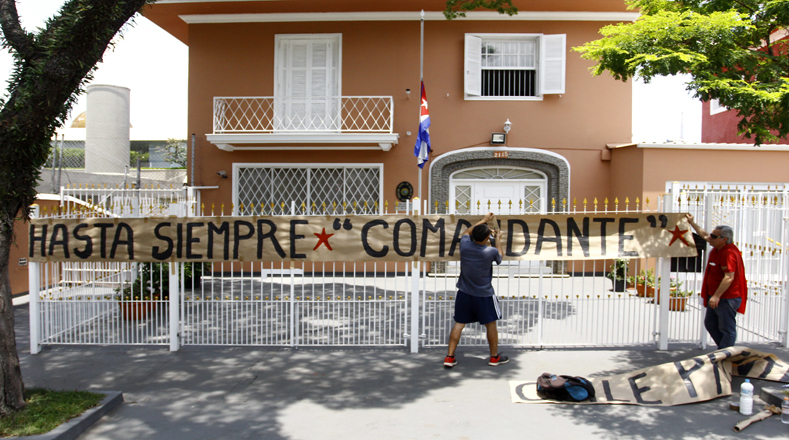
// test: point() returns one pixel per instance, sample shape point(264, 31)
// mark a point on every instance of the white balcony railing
point(268, 114)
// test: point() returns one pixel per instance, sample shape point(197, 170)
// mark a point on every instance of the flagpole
point(421, 82)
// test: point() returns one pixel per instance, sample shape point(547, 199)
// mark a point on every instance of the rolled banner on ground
point(758, 417)
point(696, 379)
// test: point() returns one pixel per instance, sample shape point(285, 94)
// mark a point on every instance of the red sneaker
point(450, 361)
point(498, 360)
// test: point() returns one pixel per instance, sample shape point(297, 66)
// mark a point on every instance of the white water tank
point(107, 129)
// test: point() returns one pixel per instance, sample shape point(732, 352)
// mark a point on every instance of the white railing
point(101, 201)
point(268, 114)
point(545, 303)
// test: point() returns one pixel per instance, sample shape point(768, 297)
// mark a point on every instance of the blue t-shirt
point(476, 267)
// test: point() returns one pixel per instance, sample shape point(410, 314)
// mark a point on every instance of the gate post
point(33, 270)
point(175, 300)
point(707, 227)
point(664, 297)
point(785, 281)
point(416, 273)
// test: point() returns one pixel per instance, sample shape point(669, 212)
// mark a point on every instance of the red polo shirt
point(727, 259)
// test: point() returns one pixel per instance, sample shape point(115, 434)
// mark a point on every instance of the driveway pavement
point(258, 393)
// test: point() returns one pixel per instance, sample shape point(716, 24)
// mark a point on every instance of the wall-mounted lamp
point(222, 173)
point(408, 93)
point(498, 138)
point(507, 126)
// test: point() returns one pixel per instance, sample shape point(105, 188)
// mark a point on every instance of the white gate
point(385, 304)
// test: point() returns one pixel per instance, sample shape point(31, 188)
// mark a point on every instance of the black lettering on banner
point(745, 368)
point(716, 371)
point(294, 237)
point(272, 229)
point(460, 228)
point(366, 230)
point(179, 240)
point(191, 239)
point(557, 236)
point(637, 392)
point(583, 237)
point(34, 239)
point(608, 395)
point(59, 227)
point(129, 242)
point(396, 240)
point(521, 395)
point(85, 253)
point(603, 234)
point(767, 369)
point(103, 238)
point(510, 233)
point(622, 237)
point(685, 375)
point(237, 236)
point(224, 229)
point(163, 255)
point(438, 227)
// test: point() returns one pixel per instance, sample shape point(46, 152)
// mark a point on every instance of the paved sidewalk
point(248, 393)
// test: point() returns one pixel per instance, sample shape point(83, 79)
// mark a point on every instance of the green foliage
point(153, 281)
point(646, 277)
point(618, 270)
point(723, 44)
point(458, 8)
point(143, 157)
point(681, 293)
point(176, 152)
point(72, 158)
point(46, 410)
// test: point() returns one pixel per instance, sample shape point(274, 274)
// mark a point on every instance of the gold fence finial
point(386, 206)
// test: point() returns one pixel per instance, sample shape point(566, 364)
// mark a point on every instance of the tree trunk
point(51, 66)
point(12, 389)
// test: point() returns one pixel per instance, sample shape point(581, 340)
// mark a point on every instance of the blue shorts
point(480, 309)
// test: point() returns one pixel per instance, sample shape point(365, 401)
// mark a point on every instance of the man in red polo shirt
point(725, 288)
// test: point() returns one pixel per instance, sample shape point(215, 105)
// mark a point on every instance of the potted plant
point(673, 285)
point(134, 299)
point(142, 296)
point(618, 274)
point(645, 283)
point(679, 299)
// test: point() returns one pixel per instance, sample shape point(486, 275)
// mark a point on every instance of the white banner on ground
point(696, 379)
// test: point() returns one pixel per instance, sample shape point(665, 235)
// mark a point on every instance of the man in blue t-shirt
point(476, 301)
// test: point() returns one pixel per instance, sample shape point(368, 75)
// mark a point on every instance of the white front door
point(497, 196)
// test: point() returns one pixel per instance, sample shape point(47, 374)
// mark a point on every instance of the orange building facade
point(313, 102)
point(318, 101)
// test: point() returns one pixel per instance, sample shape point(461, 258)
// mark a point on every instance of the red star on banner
point(676, 234)
point(323, 238)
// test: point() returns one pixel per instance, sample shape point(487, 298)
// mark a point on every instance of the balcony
point(288, 123)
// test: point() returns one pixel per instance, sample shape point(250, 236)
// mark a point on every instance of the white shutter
point(552, 63)
point(473, 65)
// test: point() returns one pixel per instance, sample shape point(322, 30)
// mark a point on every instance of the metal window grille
point(313, 190)
point(509, 67)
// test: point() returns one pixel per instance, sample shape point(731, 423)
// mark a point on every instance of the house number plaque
point(501, 154)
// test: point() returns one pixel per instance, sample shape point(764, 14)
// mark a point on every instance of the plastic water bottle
point(785, 411)
point(746, 398)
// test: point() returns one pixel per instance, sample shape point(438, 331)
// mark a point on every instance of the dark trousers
point(721, 323)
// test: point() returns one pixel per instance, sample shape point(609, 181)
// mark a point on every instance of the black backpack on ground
point(564, 388)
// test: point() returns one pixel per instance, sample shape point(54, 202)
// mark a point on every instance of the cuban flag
point(422, 148)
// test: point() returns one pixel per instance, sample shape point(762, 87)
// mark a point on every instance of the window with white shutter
point(307, 74)
point(514, 66)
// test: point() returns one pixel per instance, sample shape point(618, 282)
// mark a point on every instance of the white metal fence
point(545, 303)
